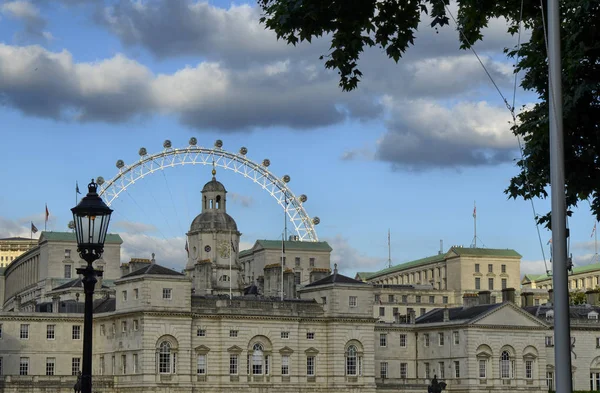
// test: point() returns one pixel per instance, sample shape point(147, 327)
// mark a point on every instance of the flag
point(593, 230)
point(474, 211)
point(33, 228)
point(47, 213)
point(77, 188)
point(232, 247)
point(549, 241)
point(187, 249)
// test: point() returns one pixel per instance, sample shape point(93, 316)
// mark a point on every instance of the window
point(550, 341)
point(441, 338)
point(482, 368)
point(297, 261)
point(456, 338)
point(529, 369)
point(1, 371)
point(233, 364)
point(201, 332)
point(403, 370)
point(422, 311)
point(445, 299)
point(297, 278)
point(67, 271)
point(403, 340)
point(536, 302)
point(383, 340)
point(135, 325)
point(67, 254)
point(167, 293)
point(101, 366)
point(201, 365)
point(233, 333)
point(383, 370)
point(503, 268)
point(550, 380)
point(75, 365)
point(124, 295)
point(285, 365)
point(136, 293)
point(113, 329)
point(24, 334)
point(310, 366)
point(324, 300)
point(426, 339)
point(490, 268)
point(477, 283)
point(285, 335)
point(24, 366)
point(378, 299)
point(76, 332)
point(135, 363)
point(50, 365)
point(124, 326)
point(597, 342)
point(257, 359)
point(113, 363)
point(311, 262)
point(404, 298)
point(102, 330)
point(382, 311)
point(456, 369)
point(352, 301)
point(504, 365)
point(504, 283)
point(50, 332)
point(351, 361)
point(0, 332)
point(427, 371)
point(123, 364)
point(491, 284)
point(391, 298)
point(476, 268)
point(164, 358)
point(395, 311)
point(310, 335)
point(442, 370)
point(418, 299)
point(431, 299)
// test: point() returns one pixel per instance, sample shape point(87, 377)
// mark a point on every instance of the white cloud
point(29, 14)
point(244, 200)
point(135, 227)
point(349, 260)
point(168, 252)
point(536, 267)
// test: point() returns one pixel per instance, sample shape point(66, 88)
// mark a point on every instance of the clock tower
point(213, 245)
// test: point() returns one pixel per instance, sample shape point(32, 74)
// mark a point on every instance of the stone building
point(582, 278)
point(12, 247)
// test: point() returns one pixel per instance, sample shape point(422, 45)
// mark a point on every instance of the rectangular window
point(136, 294)
point(297, 261)
point(378, 299)
point(482, 368)
point(67, 271)
point(528, 369)
point(456, 338)
point(50, 364)
point(395, 311)
point(418, 299)
point(445, 299)
point(135, 325)
point(0, 330)
point(102, 330)
point(101, 366)
point(426, 339)
point(285, 365)
point(201, 332)
point(76, 332)
point(503, 268)
point(427, 371)
point(441, 338)
point(135, 363)
point(431, 299)
point(442, 370)
point(113, 329)
point(549, 341)
point(491, 284)
point(311, 262)
point(233, 333)
point(1, 371)
point(283, 259)
point(75, 365)
point(24, 333)
point(124, 295)
point(403, 370)
point(403, 340)
point(404, 298)
point(550, 380)
point(324, 300)
point(233, 364)
point(285, 335)
point(310, 335)
point(24, 366)
point(597, 342)
point(201, 365)
point(422, 311)
point(490, 268)
point(167, 293)
point(383, 340)
point(391, 298)
point(504, 283)
point(456, 369)
point(123, 364)
point(50, 332)
point(477, 283)
point(297, 278)
point(382, 311)
point(310, 366)
point(476, 268)
point(113, 365)
point(383, 370)
point(352, 301)
point(124, 326)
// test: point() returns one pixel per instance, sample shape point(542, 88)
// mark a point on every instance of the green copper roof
point(485, 252)
point(576, 270)
point(290, 245)
point(363, 275)
point(70, 237)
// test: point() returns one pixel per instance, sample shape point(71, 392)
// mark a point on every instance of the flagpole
point(282, 258)
point(596, 242)
point(230, 252)
point(474, 224)
point(31, 231)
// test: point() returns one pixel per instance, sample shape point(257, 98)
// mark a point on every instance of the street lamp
point(91, 217)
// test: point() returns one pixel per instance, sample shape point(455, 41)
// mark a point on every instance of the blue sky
point(84, 84)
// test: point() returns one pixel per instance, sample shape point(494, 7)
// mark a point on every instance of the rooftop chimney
point(592, 297)
point(411, 317)
point(484, 297)
point(551, 296)
point(527, 299)
point(470, 300)
point(508, 295)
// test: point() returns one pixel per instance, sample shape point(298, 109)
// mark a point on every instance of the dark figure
point(436, 387)
point(77, 387)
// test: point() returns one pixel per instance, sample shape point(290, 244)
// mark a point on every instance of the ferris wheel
point(193, 154)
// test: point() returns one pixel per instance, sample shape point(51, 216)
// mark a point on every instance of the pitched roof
point(154, 269)
point(456, 313)
point(104, 305)
point(335, 278)
point(289, 245)
point(76, 283)
point(70, 237)
point(406, 265)
point(19, 239)
point(363, 275)
point(576, 270)
point(485, 252)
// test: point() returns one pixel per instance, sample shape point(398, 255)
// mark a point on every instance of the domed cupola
point(214, 209)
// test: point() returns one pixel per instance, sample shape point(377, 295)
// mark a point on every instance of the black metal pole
point(89, 282)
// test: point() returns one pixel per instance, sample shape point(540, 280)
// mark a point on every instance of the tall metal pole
point(389, 249)
point(474, 224)
point(562, 331)
point(230, 252)
point(89, 282)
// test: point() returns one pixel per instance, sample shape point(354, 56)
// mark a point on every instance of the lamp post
point(91, 217)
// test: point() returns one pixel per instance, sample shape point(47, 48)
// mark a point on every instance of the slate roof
point(155, 270)
point(76, 283)
point(70, 237)
point(289, 245)
point(456, 313)
point(19, 238)
point(575, 312)
point(335, 278)
point(104, 305)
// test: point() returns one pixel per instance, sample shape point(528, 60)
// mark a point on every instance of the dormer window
point(550, 315)
point(593, 315)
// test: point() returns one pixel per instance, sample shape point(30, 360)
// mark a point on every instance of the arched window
point(224, 277)
point(257, 359)
point(218, 201)
point(505, 365)
point(212, 204)
point(351, 361)
point(164, 358)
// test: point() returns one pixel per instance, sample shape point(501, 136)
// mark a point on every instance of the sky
point(86, 83)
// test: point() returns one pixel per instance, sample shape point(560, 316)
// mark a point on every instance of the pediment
point(286, 351)
point(202, 349)
point(235, 349)
point(311, 351)
point(508, 315)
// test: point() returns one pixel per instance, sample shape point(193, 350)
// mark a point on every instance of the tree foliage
point(577, 297)
point(355, 25)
